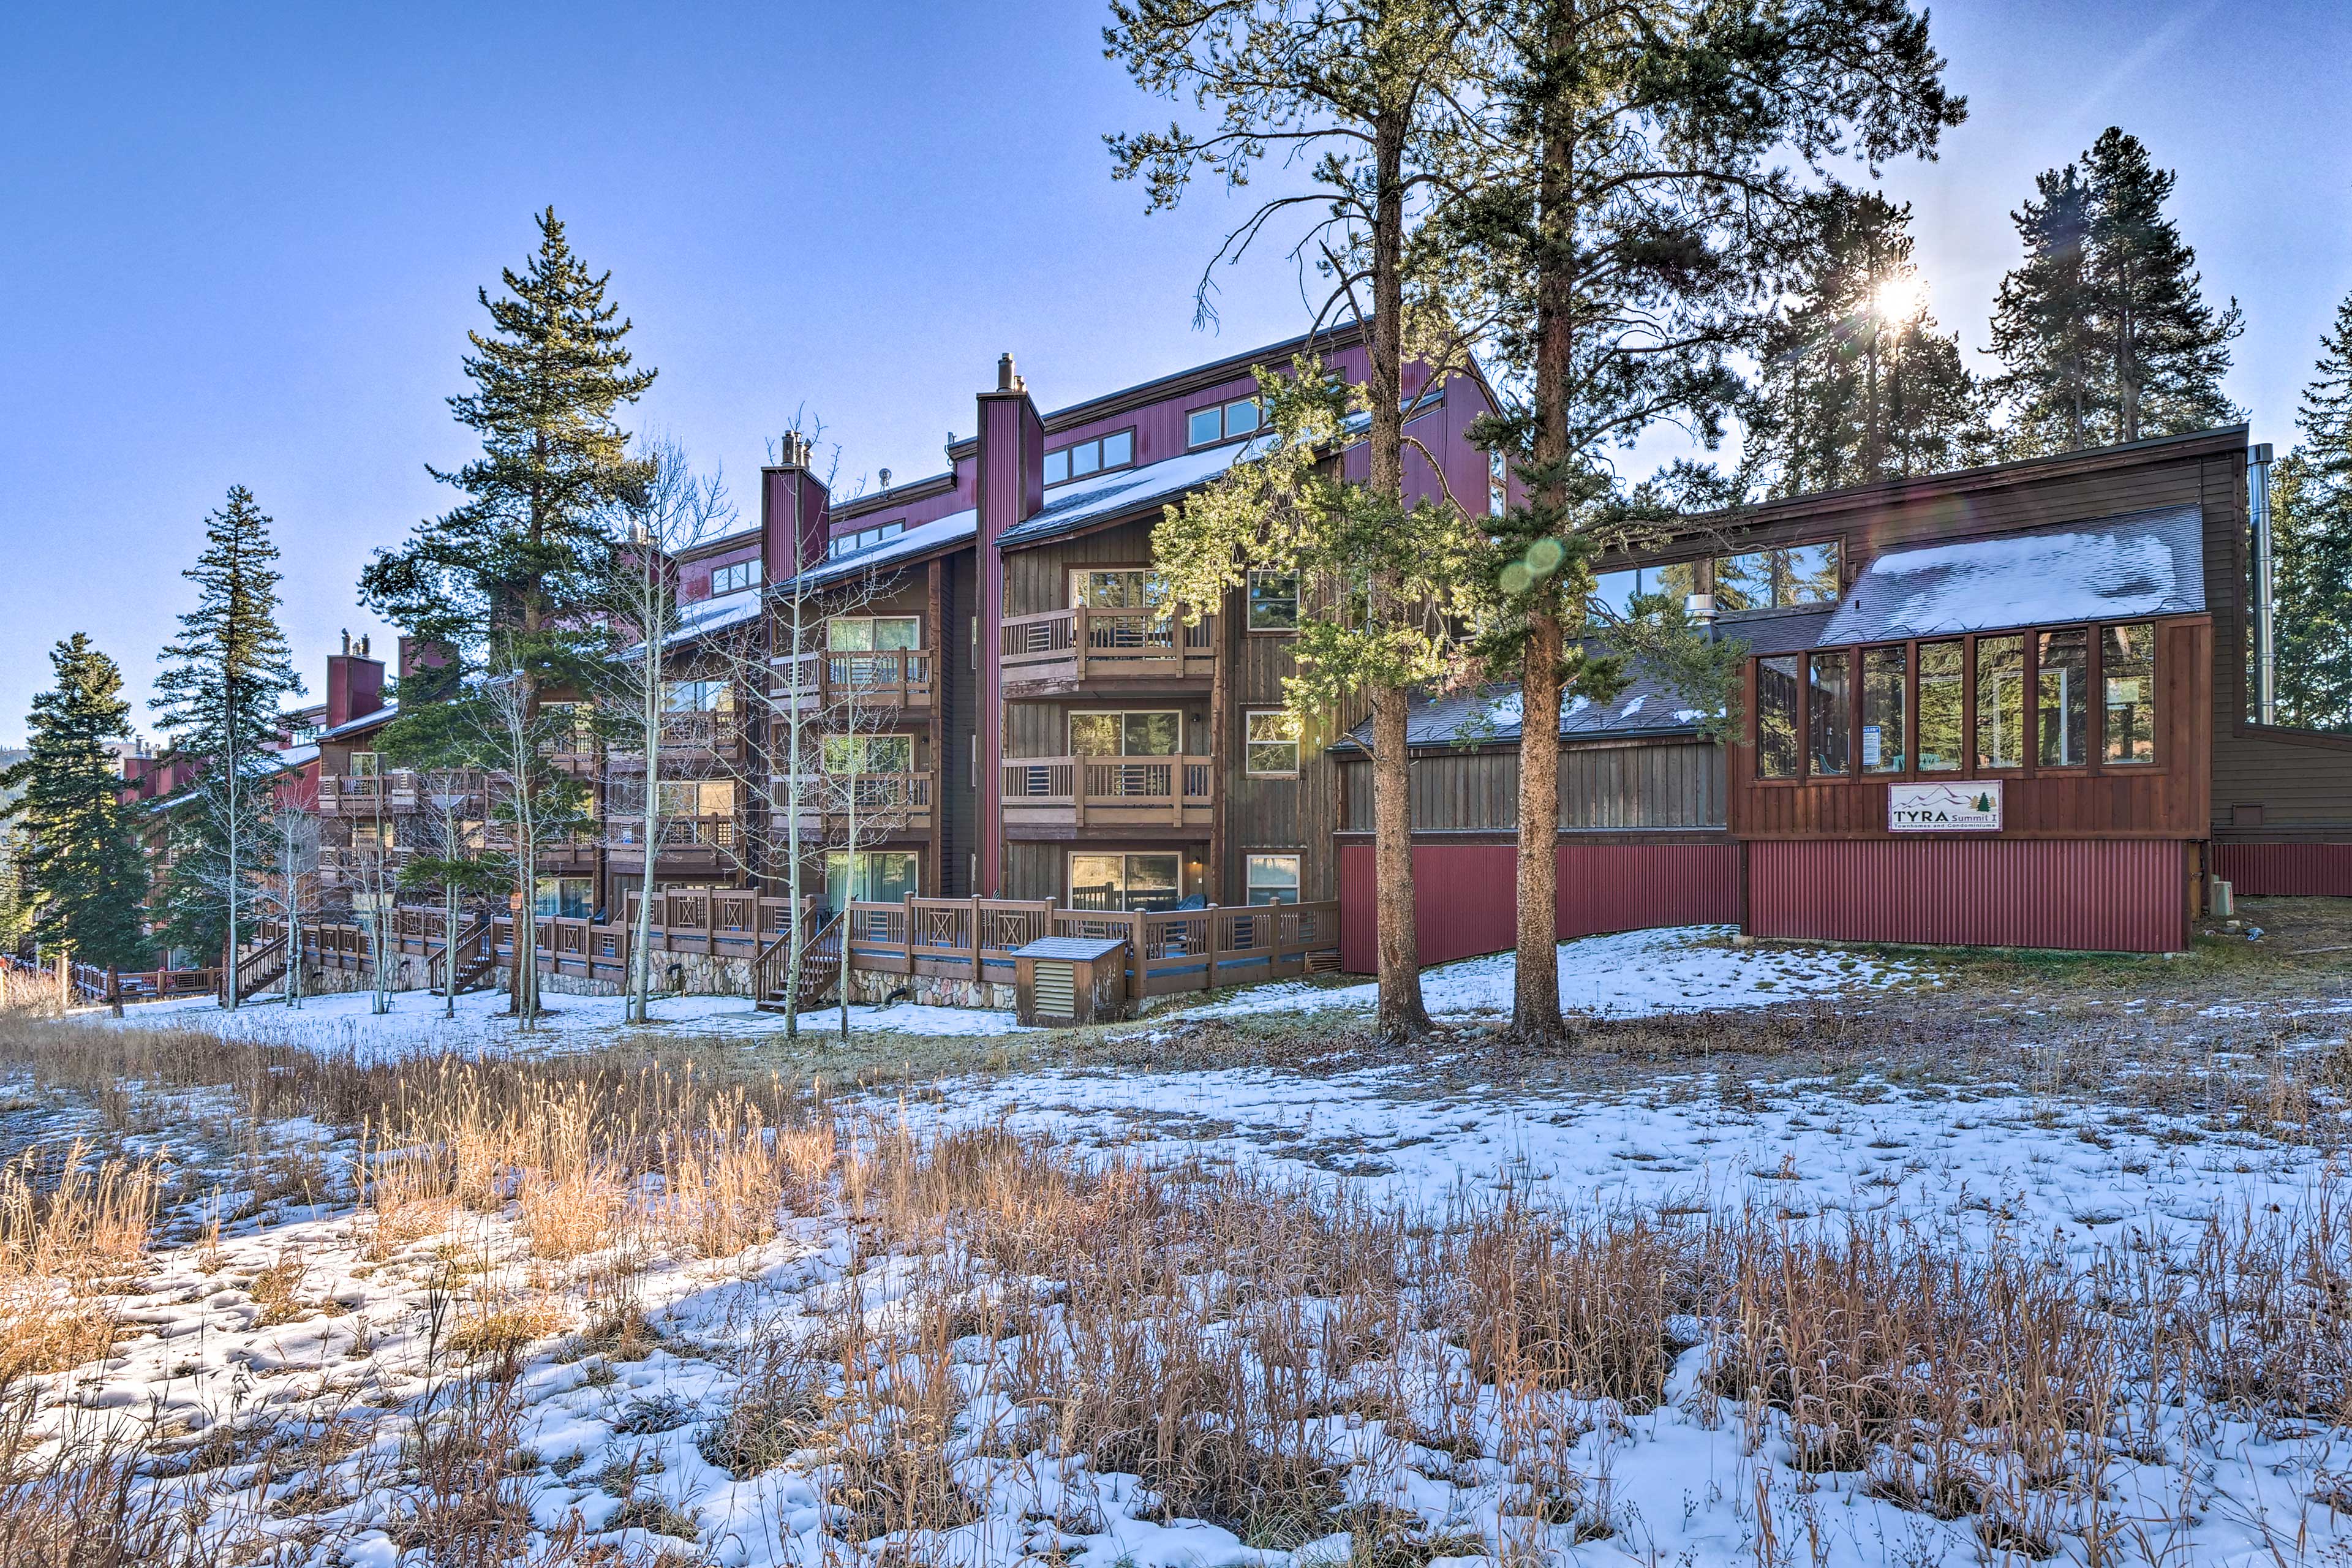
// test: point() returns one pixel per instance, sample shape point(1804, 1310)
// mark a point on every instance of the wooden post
point(65, 982)
point(114, 990)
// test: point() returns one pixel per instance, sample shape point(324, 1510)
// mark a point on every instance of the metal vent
point(1058, 989)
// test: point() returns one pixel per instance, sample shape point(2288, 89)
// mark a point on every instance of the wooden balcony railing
point(894, 678)
point(885, 803)
point(1170, 950)
point(1092, 645)
point(369, 795)
point(686, 737)
point(629, 832)
point(1103, 792)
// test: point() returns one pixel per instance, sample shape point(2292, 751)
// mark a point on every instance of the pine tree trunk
point(641, 941)
point(1402, 1012)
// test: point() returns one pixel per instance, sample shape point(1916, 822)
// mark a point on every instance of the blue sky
point(240, 244)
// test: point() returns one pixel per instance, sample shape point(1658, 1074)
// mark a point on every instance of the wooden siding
point(1620, 785)
point(1033, 870)
point(2163, 800)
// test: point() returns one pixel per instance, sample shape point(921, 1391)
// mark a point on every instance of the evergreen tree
point(503, 570)
point(2105, 330)
point(1857, 384)
point(84, 861)
point(1627, 228)
point(2310, 529)
point(224, 682)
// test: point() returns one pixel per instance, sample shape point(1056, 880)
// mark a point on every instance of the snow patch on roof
point(938, 534)
point(2141, 564)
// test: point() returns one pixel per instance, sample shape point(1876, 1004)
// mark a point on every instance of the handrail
point(1127, 784)
point(1116, 642)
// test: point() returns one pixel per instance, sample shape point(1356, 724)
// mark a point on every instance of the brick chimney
point(1011, 488)
point(793, 505)
point(354, 684)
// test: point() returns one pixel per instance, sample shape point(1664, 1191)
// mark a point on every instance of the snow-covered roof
point(922, 540)
point(704, 616)
point(365, 722)
point(1493, 714)
point(296, 757)
point(1071, 507)
point(2138, 563)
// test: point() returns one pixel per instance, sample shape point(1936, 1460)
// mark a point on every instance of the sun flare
point(1898, 295)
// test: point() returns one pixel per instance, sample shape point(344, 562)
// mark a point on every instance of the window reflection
point(1883, 672)
point(1776, 717)
point(1828, 711)
point(2127, 673)
point(2063, 677)
point(2001, 703)
point(1942, 676)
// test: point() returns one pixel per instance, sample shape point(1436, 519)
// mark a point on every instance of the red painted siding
point(2286, 869)
point(1465, 903)
point(2109, 895)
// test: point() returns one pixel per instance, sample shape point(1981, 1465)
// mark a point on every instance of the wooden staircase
point(820, 969)
point(477, 961)
point(263, 967)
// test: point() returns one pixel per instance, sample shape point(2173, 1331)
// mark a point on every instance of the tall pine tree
point(83, 860)
point(2311, 524)
point(1857, 384)
point(224, 681)
point(2104, 329)
point(495, 578)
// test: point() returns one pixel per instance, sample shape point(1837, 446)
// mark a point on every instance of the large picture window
point(1151, 734)
point(1775, 579)
point(2063, 672)
point(873, 634)
point(1884, 671)
point(1272, 748)
point(1127, 588)
point(2001, 703)
point(1776, 717)
point(2127, 673)
point(1273, 879)
point(1943, 711)
point(870, 877)
point(869, 753)
point(1827, 711)
point(1153, 882)
point(1613, 592)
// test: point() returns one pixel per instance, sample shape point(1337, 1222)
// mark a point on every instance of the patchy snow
point(416, 1024)
point(1506, 711)
point(2147, 563)
point(1632, 708)
point(1625, 974)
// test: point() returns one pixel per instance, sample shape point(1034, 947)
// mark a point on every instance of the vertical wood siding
point(1602, 786)
point(2105, 895)
point(1464, 900)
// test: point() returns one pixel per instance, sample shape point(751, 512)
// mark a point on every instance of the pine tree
point(224, 682)
point(84, 861)
point(501, 571)
point(2311, 527)
point(2105, 330)
point(1858, 386)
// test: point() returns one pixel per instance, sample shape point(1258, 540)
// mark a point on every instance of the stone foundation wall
point(875, 989)
point(676, 975)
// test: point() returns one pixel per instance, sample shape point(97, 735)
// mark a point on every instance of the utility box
point(1058, 981)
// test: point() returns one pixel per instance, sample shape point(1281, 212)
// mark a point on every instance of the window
point(2064, 706)
point(1126, 881)
point(2128, 672)
point(869, 753)
point(1883, 672)
point(1498, 474)
point(869, 876)
point(1272, 749)
point(873, 634)
point(1776, 717)
point(1828, 711)
point(1273, 602)
point(366, 764)
point(563, 898)
point(1221, 422)
point(1273, 879)
point(850, 544)
point(1116, 450)
point(1126, 734)
point(1943, 673)
point(2001, 703)
point(1128, 588)
point(1614, 591)
point(682, 798)
point(734, 577)
point(1774, 579)
point(699, 697)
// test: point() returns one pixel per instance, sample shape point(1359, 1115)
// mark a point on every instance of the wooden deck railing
point(369, 795)
point(622, 831)
point(886, 678)
point(887, 803)
point(1168, 951)
point(1108, 790)
point(1087, 644)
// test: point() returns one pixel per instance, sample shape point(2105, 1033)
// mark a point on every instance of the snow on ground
point(1625, 974)
point(415, 1024)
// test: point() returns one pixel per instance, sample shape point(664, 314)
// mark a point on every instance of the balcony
point(699, 737)
point(894, 678)
point(887, 805)
point(706, 843)
point(391, 794)
point(1063, 650)
point(359, 864)
point(1074, 793)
